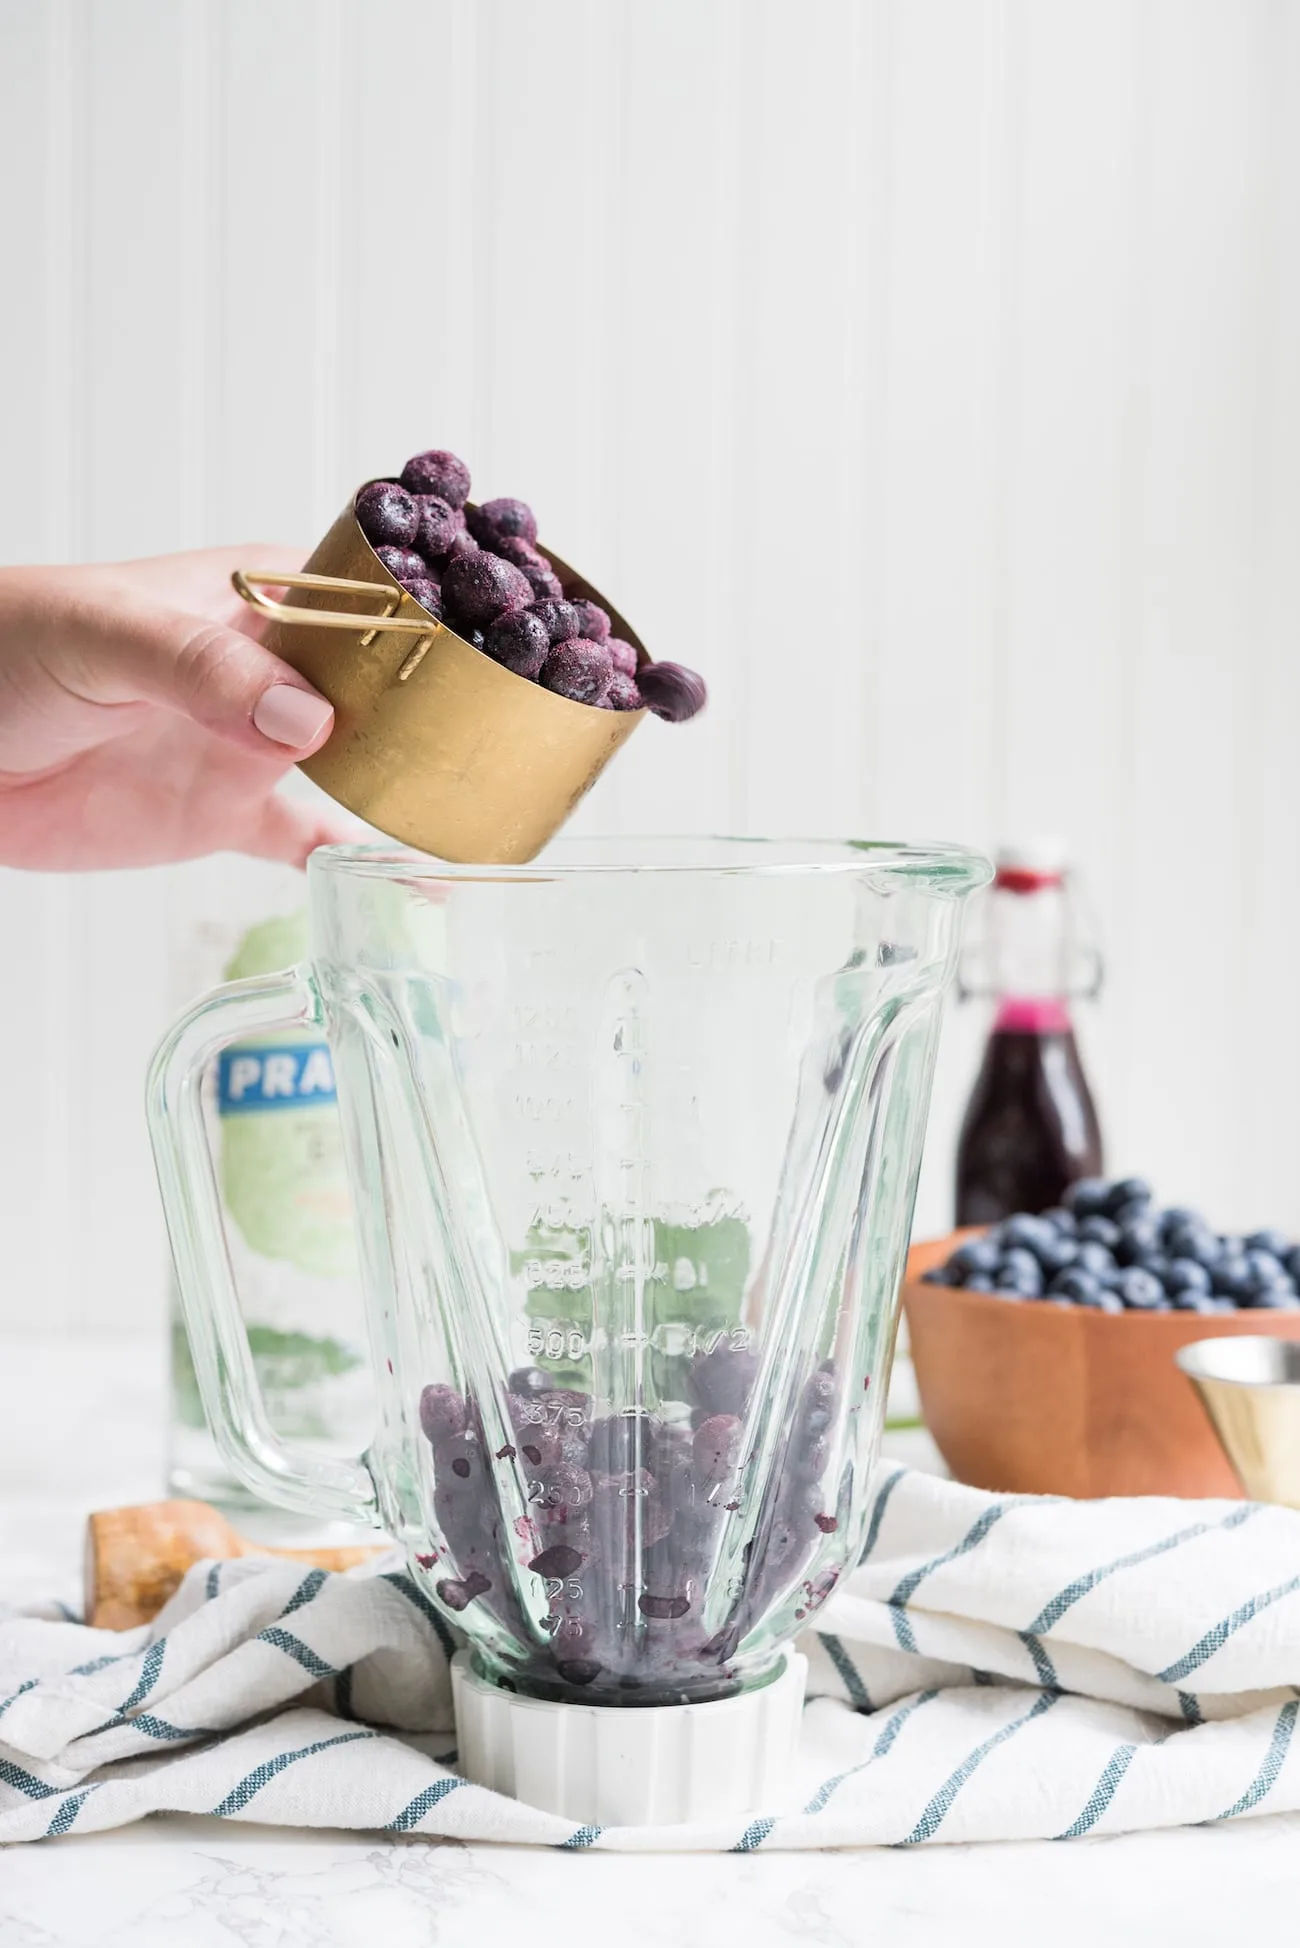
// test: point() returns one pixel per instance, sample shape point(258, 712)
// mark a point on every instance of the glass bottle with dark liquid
point(1030, 1127)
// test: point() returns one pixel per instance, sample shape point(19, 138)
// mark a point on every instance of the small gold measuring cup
point(1249, 1386)
point(433, 742)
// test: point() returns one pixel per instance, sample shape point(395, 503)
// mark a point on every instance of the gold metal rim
point(248, 583)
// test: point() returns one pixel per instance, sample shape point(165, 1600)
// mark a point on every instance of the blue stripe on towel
point(1215, 1639)
point(419, 1601)
point(1051, 1613)
point(67, 1812)
point(28, 1684)
point(1190, 1708)
point(149, 1672)
point(754, 1835)
point(585, 1836)
point(848, 1671)
point(261, 1775)
point(882, 1745)
point(1044, 1668)
point(1102, 1793)
point(423, 1803)
point(213, 1583)
point(294, 1647)
point(25, 1782)
point(1274, 1759)
point(305, 1591)
point(937, 1810)
point(910, 1583)
point(878, 1512)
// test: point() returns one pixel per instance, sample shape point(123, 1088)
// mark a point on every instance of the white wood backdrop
point(985, 310)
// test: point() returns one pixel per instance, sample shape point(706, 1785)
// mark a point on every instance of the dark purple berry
point(528, 1380)
point(578, 670)
point(559, 618)
point(577, 1670)
point(501, 519)
point(662, 1606)
point(463, 544)
point(545, 583)
point(456, 1592)
point(437, 527)
point(593, 622)
point(518, 641)
point(443, 1414)
point(623, 654)
point(478, 588)
point(559, 1560)
point(437, 472)
point(672, 692)
point(403, 563)
point(622, 694)
point(386, 514)
point(566, 1488)
point(427, 592)
point(717, 1446)
point(721, 1381)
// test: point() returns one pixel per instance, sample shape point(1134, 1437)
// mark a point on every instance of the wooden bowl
point(1045, 1400)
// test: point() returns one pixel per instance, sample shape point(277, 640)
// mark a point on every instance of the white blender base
point(636, 1765)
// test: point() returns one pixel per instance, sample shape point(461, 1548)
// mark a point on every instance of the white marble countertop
point(80, 1427)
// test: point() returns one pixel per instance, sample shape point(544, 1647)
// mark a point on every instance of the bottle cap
point(1030, 864)
point(635, 1765)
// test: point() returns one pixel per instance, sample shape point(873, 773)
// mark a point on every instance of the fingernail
point(288, 715)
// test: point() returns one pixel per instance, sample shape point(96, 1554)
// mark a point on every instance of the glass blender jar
point(633, 1134)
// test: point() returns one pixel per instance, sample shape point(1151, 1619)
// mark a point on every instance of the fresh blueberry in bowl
point(1276, 1243)
point(1140, 1291)
point(976, 1255)
point(1102, 1231)
point(1062, 1220)
point(1128, 1191)
point(1087, 1198)
point(1095, 1258)
point(1139, 1239)
point(1077, 1286)
point(1187, 1275)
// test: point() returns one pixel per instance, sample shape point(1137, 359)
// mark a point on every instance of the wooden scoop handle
point(136, 1557)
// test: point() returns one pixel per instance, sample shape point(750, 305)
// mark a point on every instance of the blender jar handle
point(313, 1483)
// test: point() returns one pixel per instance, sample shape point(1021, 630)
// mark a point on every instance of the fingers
point(290, 832)
point(215, 675)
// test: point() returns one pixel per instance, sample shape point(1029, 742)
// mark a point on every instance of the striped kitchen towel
point(998, 1667)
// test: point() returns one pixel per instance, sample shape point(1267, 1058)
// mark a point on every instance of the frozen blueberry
point(1186, 1275)
point(717, 1445)
point(976, 1255)
point(594, 623)
point(1140, 1291)
point(578, 670)
point(1101, 1230)
point(427, 592)
point(478, 588)
point(443, 1414)
point(387, 514)
point(560, 620)
point(1061, 1220)
point(404, 563)
point(518, 640)
point(1087, 1197)
point(623, 653)
point(622, 694)
point(501, 520)
point(542, 579)
point(721, 1381)
point(1126, 1191)
point(436, 528)
point(437, 472)
point(463, 543)
point(456, 1592)
point(672, 692)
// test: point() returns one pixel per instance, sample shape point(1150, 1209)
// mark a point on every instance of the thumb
point(214, 675)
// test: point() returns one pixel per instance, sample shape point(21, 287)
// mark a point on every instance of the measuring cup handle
point(297, 1477)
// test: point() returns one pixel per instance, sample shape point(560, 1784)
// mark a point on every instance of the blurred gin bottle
point(277, 1144)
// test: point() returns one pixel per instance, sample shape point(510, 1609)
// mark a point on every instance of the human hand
point(141, 720)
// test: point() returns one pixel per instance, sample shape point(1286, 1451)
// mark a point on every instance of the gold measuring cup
point(433, 742)
point(1250, 1387)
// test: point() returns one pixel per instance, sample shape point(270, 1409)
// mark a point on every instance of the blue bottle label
point(259, 1077)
